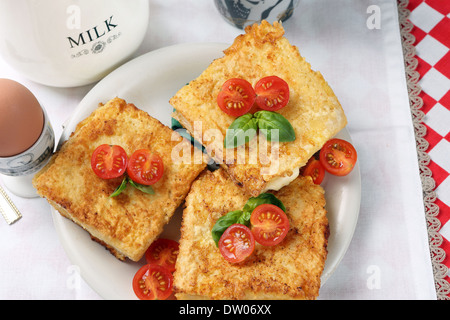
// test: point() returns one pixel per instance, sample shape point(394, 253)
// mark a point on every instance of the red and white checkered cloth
point(431, 20)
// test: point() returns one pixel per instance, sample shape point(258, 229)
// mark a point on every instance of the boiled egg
point(21, 118)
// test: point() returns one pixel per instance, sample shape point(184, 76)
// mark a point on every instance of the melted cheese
point(279, 182)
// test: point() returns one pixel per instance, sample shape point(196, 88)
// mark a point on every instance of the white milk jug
point(68, 43)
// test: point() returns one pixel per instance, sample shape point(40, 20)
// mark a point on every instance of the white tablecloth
point(388, 257)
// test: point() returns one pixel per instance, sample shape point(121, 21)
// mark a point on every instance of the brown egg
point(21, 118)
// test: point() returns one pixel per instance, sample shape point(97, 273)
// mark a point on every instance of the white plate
point(149, 81)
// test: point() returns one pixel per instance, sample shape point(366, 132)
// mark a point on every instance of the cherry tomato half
point(236, 97)
point(338, 157)
point(145, 167)
point(315, 170)
point(153, 282)
point(237, 243)
point(270, 224)
point(109, 161)
point(272, 93)
point(163, 252)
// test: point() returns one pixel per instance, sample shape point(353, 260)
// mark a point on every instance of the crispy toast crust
point(126, 224)
point(289, 270)
point(313, 109)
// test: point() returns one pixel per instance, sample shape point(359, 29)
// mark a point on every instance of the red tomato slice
point(163, 252)
point(272, 93)
point(145, 167)
point(270, 224)
point(153, 282)
point(236, 97)
point(109, 161)
point(315, 170)
point(338, 157)
point(237, 243)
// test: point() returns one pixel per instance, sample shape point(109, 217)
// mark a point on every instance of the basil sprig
point(120, 188)
point(142, 187)
point(227, 220)
point(241, 131)
point(263, 198)
point(269, 121)
point(243, 216)
point(244, 128)
point(123, 185)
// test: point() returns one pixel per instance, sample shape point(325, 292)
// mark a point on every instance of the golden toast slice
point(126, 224)
point(289, 270)
point(313, 110)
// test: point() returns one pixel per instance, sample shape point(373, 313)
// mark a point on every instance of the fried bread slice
point(313, 109)
point(289, 270)
point(126, 224)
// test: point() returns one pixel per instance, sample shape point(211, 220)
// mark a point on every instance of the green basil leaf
point(227, 220)
point(269, 120)
point(142, 187)
point(244, 218)
point(120, 188)
point(241, 131)
point(263, 198)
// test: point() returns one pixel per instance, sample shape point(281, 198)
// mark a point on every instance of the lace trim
point(428, 183)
